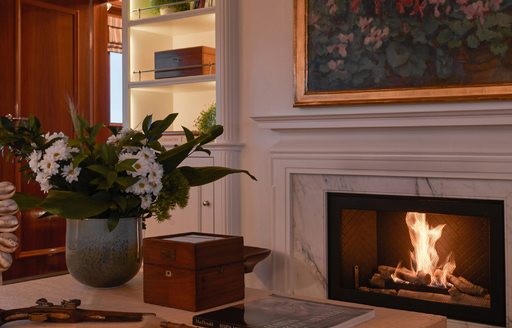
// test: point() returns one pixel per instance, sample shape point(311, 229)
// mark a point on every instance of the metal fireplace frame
point(491, 209)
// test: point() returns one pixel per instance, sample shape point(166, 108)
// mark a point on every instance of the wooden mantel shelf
point(129, 298)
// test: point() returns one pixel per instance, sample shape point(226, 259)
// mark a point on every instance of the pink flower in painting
point(354, 6)
point(331, 48)
point(378, 7)
point(401, 4)
point(437, 3)
point(376, 36)
point(418, 8)
point(313, 20)
point(331, 4)
point(364, 23)
point(342, 50)
point(462, 2)
point(345, 38)
point(475, 10)
point(334, 64)
point(405, 27)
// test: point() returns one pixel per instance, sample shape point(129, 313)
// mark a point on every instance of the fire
point(424, 258)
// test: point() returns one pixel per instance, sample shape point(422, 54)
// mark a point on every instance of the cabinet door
point(46, 62)
point(197, 216)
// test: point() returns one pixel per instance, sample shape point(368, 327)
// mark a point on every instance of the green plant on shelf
point(206, 119)
point(173, 6)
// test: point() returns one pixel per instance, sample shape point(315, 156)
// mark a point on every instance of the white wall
point(267, 93)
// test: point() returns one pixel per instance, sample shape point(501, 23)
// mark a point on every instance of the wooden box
point(193, 271)
point(184, 62)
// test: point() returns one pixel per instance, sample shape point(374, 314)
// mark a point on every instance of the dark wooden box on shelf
point(184, 62)
point(193, 271)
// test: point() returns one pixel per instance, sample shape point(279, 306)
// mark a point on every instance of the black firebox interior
point(368, 231)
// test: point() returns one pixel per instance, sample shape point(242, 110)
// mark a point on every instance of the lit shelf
point(183, 22)
point(175, 82)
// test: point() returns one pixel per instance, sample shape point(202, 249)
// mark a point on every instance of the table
point(129, 298)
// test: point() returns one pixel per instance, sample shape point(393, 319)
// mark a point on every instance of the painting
point(354, 51)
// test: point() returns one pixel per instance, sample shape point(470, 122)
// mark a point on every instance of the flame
point(424, 257)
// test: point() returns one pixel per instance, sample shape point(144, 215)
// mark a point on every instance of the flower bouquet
point(130, 175)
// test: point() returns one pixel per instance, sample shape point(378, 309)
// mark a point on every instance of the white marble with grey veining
point(308, 263)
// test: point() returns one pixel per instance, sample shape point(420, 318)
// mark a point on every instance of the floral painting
point(355, 45)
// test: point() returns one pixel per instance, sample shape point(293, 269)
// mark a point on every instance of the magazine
point(279, 312)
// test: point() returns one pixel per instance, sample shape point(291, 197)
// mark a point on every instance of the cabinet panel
point(197, 216)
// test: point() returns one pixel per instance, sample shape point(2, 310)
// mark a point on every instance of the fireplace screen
point(435, 255)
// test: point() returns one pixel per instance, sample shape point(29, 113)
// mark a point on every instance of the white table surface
point(129, 298)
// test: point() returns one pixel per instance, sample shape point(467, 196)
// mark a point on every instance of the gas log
point(416, 285)
point(463, 299)
point(420, 278)
point(466, 287)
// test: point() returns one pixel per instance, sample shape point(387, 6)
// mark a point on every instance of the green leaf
point(25, 201)
point(112, 223)
point(472, 41)
point(95, 130)
point(197, 176)
point(160, 126)
point(503, 20)
point(146, 124)
point(101, 169)
point(120, 201)
point(485, 34)
point(73, 205)
point(444, 36)
point(111, 178)
point(126, 165)
point(498, 48)
point(455, 43)
point(108, 154)
point(171, 158)
point(188, 133)
point(78, 158)
point(126, 181)
point(397, 54)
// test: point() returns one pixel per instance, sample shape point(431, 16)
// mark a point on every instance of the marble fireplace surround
point(312, 157)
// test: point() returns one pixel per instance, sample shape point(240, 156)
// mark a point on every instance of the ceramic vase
point(101, 258)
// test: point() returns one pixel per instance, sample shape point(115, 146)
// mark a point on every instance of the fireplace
point(435, 255)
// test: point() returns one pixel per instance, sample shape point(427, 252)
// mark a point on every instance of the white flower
point(145, 201)
point(156, 171)
point(155, 188)
point(49, 137)
point(33, 160)
point(70, 173)
point(148, 153)
point(58, 151)
point(72, 150)
point(142, 166)
point(48, 166)
point(112, 139)
point(115, 138)
point(140, 187)
point(44, 182)
point(45, 186)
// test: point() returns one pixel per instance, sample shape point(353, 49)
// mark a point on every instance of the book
point(279, 312)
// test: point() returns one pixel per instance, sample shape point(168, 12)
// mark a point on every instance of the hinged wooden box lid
point(184, 62)
point(194, 250)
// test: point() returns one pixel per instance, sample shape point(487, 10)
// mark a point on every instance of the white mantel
point(462, 152)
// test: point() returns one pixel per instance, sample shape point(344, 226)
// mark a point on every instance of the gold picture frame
point(312, 90)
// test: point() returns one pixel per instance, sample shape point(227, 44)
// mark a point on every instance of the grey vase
point(97, 257)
